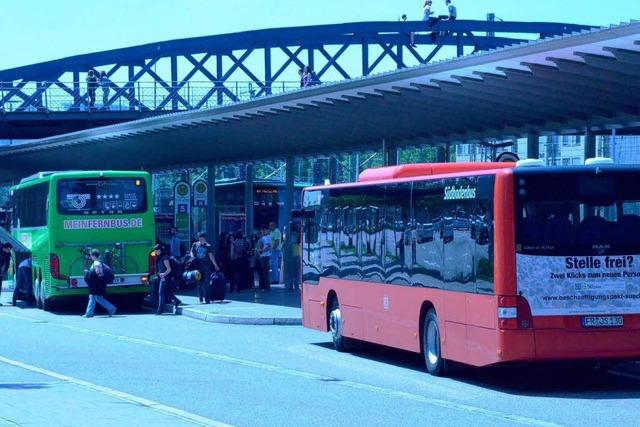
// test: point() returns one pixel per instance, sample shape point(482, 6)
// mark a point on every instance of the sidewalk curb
point(240, 320)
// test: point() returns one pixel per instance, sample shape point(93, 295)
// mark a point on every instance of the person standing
point(23, 281)
point(167, 287)
point(240, 268)
point(296, 251)
point(202, 252)
point(92, 85)
point(97, 283)
point(105, 84)
point(276, 252)
point(264, 256)
point(5, 262)
point(175, 244)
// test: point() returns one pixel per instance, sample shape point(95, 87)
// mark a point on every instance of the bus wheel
point(47, 305)
point(335, 327)
point(37, 293)
point(431, 347)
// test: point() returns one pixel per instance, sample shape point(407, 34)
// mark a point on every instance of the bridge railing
point(56, 96)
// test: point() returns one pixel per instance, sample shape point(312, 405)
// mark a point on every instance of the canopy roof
point(588, 80)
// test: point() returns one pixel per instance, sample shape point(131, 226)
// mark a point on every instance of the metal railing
point(56, 96)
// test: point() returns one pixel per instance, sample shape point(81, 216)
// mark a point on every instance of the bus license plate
point(602, 321)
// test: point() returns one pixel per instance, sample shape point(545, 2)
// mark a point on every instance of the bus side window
point(484, 235)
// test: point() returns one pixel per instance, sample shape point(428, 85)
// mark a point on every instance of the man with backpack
point(97, 279)
point(168, 269)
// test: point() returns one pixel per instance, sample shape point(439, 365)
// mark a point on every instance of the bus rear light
point(144, 280)
point(152, 263)
point(507, 312)
point(514, 313)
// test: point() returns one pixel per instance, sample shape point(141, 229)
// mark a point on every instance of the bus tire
point(432, 345)
point(47, 304)
point(37, 294)
point(340, 342)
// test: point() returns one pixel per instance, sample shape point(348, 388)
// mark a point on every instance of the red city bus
point(479, 263)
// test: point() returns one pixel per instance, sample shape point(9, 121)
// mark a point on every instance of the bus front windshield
point(578, 213)
point(101, 196)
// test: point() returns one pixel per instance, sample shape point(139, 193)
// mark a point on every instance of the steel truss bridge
point(51, 97)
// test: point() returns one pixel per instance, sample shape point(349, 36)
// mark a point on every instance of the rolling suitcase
point(217, 287)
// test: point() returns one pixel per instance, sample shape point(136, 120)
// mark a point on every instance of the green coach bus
point(60, 216)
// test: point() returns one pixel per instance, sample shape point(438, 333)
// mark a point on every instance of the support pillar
point(589, 145)
point(248, 200)
point(212, 210)
point(132, 88)
point(533, 146)
point(391, 156)
point(441, 154)
point(288, 206)
point(333, 170)
point(174, 81)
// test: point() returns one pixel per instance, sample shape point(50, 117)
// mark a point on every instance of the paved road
point(60, 369)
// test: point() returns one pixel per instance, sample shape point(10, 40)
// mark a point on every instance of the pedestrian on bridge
point(105, 84)
point(453, 12)
point(92, 85)
point(5, 262)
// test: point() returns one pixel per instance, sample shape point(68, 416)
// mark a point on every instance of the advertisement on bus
point(573, 285)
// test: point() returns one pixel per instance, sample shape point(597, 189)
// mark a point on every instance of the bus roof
point(427, 169)
point(39, 177)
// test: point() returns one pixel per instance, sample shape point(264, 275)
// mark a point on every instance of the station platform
point(278, 306)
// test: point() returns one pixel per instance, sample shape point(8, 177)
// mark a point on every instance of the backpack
point(108, 275)
point(176, 268)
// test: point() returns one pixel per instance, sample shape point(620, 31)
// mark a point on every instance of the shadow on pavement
point(565, 380)
point(24, 386)
point(278, 295)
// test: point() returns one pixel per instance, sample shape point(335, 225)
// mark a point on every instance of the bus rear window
point(578, 213)
point(101, 196)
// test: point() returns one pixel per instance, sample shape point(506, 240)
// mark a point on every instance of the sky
point(38, 30)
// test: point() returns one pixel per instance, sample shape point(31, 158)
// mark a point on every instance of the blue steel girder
point(393, 38)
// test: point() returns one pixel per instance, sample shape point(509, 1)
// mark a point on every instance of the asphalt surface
point(139, 369)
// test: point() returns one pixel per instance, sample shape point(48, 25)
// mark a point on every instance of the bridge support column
point(132, 88)
point(248, 200)
point(174, 81)
point(289, 268)
point(533, 146)
point(391, 156)
point(589, 145)
point(212, 208)
point(333, 169)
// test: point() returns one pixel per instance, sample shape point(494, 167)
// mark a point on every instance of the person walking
point(166, 275)
point(105, 84)
point(5, 262)
point(92, 85)
point(276, 252)
point(23, 282)
point(97, 282)
point(175, 244)
point(264, 256)
point(202, 252)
